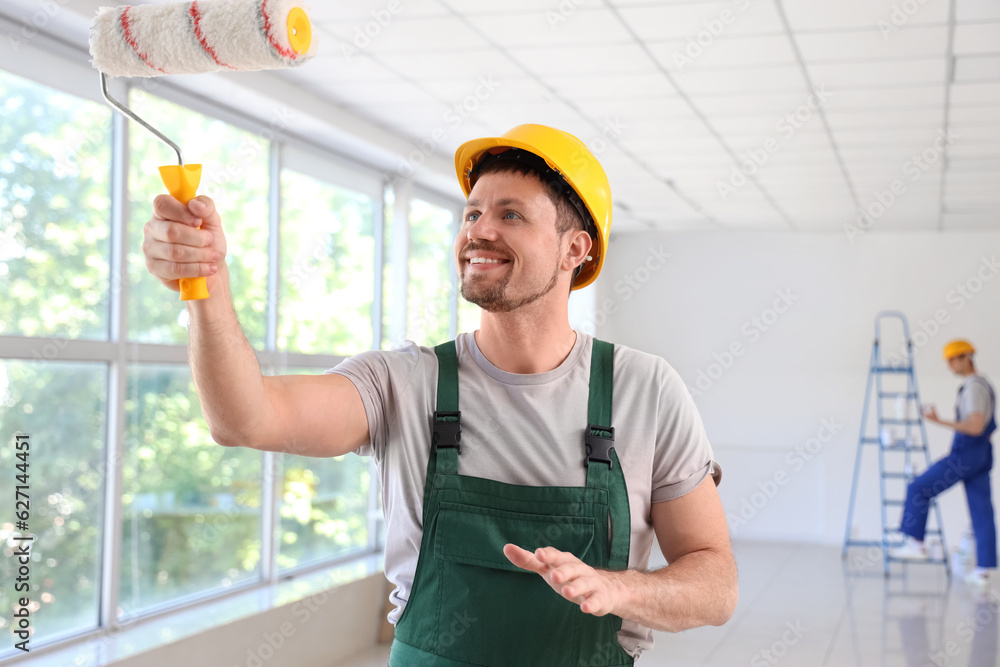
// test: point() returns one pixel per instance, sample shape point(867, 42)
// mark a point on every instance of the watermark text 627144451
point(21, 623)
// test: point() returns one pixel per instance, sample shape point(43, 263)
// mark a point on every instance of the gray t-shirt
point(974, 397)
point(526, 429)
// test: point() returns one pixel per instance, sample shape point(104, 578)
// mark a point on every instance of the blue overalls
point(970, 461)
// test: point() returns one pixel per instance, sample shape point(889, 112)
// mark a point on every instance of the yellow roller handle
point(182, 184)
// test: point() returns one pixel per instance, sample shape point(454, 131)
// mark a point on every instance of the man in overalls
point(969, 461)
point(525, 467)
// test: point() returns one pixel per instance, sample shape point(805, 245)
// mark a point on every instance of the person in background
point(970, 461)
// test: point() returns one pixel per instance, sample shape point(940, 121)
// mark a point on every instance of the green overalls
point(469, 605)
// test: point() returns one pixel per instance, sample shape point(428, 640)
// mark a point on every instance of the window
point(469, 315)
point(234, 174)
point(324, 508)
point(191, 509)
point(55, 171)
point(431, 273)
point(327, 258)
point(63, 408)
point(196, 519)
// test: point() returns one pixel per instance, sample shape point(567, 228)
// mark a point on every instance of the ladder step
point(892, 501)
point(929, 561)
point(863, 543)
point(898, 394)
point(896, 475)
point(926, 532)
point(870, 441)
point(901, 422)
point(903, 448)
point(892, 369)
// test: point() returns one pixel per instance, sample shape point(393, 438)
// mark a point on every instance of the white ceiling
point(581, 65)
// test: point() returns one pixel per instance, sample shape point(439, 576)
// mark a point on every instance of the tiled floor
point(802, 606)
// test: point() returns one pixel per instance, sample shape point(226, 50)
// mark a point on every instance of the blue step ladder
point(913, 443)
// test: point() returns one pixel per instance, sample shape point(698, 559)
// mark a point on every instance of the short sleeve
point(376, 374)
point(683, 456)
point(975, 398)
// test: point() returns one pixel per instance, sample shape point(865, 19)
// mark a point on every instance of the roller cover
point(197, 37)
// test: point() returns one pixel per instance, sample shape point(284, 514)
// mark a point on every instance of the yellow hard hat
point(572, 161)
point(957, 348)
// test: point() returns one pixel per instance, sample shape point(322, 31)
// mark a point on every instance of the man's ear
point(579, 247)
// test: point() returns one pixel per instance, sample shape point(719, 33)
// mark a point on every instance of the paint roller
point(194, 38)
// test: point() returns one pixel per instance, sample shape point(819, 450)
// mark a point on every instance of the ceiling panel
point(569, 61)
point(977, 10)
point(970, 221)
point(359, 12)
point(596, 27)
point(407, 35)
point(453, 65)
point(716, 19)
point(822, 15)
point(635, 87)
point(915, 118)
point(974, 38)
point(868, 44)
point(519, 7)
point(779, 78)
point(898, 98)
point(977, 68)
point(912, 71)
point(734, 51)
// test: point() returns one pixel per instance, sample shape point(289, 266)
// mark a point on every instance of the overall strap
point(603, 468)
point(446, 430)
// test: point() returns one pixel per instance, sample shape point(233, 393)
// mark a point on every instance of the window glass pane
point(324, 504)
point(327, 267)
point(62, 407)
point(469, 315)
point(191, 508)
point(235, 175)
point(430, 266)
point(388, 208)
point(324, 507)
point(55, 170)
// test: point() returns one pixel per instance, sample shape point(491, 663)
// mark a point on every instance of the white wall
point(811, 362)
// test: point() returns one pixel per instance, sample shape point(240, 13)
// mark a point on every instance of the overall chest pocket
point(476, 535)
point(491, 612)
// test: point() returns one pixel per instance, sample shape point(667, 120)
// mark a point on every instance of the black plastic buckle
point(447, 435)
point(598, 447)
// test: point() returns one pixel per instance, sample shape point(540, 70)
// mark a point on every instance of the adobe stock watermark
point(899, 16)
point(704, 39)
point(970, 628)
point(365, 34)
point(250, 147)
point(913, 170)
point(774, 653)
point(561, 14)
point(317, 253)
point(796, 459)
point(627, 286)
point(68, 152)
point(958, 298)
point(785, 127)
point(751, 330)
point(610, 131)
point(453, 118)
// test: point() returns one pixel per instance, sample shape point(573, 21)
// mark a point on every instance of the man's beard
point(494, 299)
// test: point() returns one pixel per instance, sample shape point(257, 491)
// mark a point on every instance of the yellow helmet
point(571, 161)
point(957, 348)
